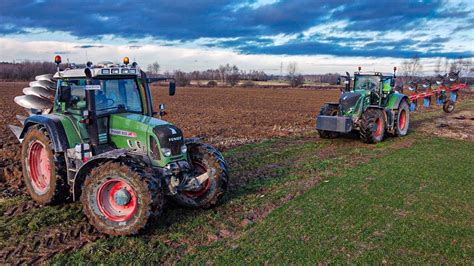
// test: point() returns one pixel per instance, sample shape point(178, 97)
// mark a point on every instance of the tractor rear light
point(115, 71)
point(105, 71)
point(57, 59)
point(166, 152)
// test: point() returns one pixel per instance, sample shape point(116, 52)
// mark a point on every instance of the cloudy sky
point(321, 36)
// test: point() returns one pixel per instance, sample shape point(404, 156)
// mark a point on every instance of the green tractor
point(92, 136)
point(371, 106)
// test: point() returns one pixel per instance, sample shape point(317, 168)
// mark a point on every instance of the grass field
point(300, 200)
point(414, 206)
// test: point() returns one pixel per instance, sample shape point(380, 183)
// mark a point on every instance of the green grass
point(414, 206)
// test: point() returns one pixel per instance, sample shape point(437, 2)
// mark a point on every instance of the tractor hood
point(151, 135)
point(348, 100)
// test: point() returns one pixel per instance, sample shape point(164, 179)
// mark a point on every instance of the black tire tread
point(154, 199)
point(214, 157)
point(368, 119)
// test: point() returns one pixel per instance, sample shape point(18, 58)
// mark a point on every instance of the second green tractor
point(371, 107)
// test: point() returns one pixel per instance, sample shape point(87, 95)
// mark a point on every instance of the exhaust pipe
point(92, 127)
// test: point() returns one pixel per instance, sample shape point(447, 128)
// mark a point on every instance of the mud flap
point(341, 124)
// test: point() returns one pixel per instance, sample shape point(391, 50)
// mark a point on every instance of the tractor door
point(386, 90)
point(75, 107)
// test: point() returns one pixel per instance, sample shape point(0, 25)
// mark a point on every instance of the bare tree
point(411, 69)
point(153, 68)
point(182, 79)
point(293, 76)
point(437, 69)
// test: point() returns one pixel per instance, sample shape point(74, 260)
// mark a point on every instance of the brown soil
point(224, 117)
point(457, 125)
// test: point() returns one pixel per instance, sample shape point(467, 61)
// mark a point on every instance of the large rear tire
point(119, 199)
point(402, 121)
point(43, 169)
point(372, 126)
point(331, 110)
point(205, 158)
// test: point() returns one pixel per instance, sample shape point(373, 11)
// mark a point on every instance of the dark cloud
point(174, 21)
point(86, 46)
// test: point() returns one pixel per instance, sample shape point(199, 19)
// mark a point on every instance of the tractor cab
point(110, 106)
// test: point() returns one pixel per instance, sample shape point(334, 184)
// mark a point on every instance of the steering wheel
point(109, 100)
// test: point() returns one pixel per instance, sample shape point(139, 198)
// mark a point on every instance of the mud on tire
point(43, 169)
point(119, 199)
point(328, 109)
point(448, 106)
point(372, 126)
point(402, 120)
point(205, 158)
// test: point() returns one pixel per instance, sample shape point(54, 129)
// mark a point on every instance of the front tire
point(331, 110)
point(43, 169)
point(372, 126)
point(205, 158)
point(119, 199)
point(402, 120)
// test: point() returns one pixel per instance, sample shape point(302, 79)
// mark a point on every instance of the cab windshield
point(118, 95)
point(367, 83)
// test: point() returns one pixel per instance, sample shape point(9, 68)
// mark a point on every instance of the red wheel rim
point(201, 169)
point(379, 127)
point(114, 210)
point(403, 119)
point(40, 167)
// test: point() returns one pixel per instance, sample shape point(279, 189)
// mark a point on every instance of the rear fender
point(53, 125)
point(395, 99)
point(114, 155)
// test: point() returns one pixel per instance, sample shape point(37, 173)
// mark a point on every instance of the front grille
point(170, 137)
point(348, 100)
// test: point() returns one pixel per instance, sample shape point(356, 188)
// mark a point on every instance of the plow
point(444, 92)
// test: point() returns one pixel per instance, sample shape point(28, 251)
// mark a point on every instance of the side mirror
point(172, 89)
point(392, 83)
point(64, 94)
point(338, 81)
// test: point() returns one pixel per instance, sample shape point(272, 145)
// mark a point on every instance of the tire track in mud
point(20, 209)
point(41, 246)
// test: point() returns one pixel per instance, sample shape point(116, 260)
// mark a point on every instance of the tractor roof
point(378, 74)
point(102, 69)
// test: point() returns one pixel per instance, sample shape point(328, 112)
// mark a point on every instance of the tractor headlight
point(184, 149)
point(105, 71)
point(166, 152)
